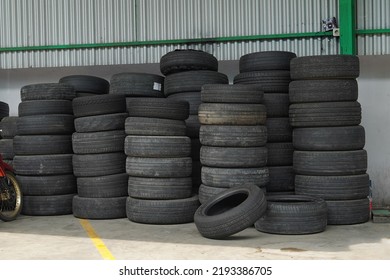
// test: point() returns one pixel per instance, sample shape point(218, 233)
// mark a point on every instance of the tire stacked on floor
point(233, 137)
point(8, 127)
point(271, 71)
point(329, 159)
point(186, 71)
point(86, 85)
point(158, 162)
point(43, 149)
point(99, 162)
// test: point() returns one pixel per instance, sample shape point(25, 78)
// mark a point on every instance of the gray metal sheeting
point(51, 22)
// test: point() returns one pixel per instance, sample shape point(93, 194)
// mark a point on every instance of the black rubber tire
point(187, 60)
point(158, 108)
point(154, 127)
point(84, 94)
point(193, 99)
point(234, 177)
point(293, 214)
point(160, 212)
point(325, 114)
point(99, 105)
point(196, 175)
point(279, 130)
point(4, 110)
point(47, 185)
point(159, 167)
point(158, 146)
point(92, 165)
point(137, 85)
point(160, 188)
point(195, 149)
point(48, 205)
point(114, 185)
point(232, 114)
point(98, 142)
point(48, 91)
point(232, 157)
point(192, 81)
point(192, 126)
point(100, 123)
point(280, 154)
point(99, 208)
point(311, 91)
point(7, 148)
point(230, 211)
point(86, 83)
point(45, 125)
point(333, 187)
point(8, 127)
point(329, 163)
point(325, 67)
point(277, 104)
point(233, 136)
point(348, 212)
point(45, 107)
point(207, 192)
point(266, 60)
point(42, 144)
point(281, 179)
point(343, 138)
point(269, 81)
point(216, 93)
point(43, 164)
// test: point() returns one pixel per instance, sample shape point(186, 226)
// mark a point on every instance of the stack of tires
point(329, 159)
point(85, 85)
point(8, 126)
point(158, 162)
point(271, 71)
point(98, 160)
point(43, 149)
point(186, 72)
point(233, 137)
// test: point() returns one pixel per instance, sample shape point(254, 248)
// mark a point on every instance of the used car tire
point(99, 208)
point(159, 167)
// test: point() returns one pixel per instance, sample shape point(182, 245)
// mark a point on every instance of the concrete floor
point(64, 238)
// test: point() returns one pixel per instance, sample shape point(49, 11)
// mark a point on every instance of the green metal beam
point(372, 31)
point(170, 42)
point(347, 25)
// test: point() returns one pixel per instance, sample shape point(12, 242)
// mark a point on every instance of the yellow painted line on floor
point(99, 244)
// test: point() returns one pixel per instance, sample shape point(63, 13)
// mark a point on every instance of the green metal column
point(347, 24)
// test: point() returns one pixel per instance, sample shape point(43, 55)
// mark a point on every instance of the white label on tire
point(157, 86)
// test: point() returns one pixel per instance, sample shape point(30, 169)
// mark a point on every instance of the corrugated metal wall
point(373, 14)
point(52, 22)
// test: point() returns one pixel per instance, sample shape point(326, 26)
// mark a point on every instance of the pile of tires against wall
point(233, 137)
point(159, 162)
point(329, 159)
point(99, 160)
point(186, 72)
point(270, 70)
point(43, 149)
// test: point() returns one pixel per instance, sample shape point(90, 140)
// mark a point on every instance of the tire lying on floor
point(230, 211)
point(99, 208)
point(293, 214)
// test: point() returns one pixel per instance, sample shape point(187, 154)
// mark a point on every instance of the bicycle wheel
point(10, 198)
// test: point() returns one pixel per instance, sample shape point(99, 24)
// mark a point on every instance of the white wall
point(374, 95)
